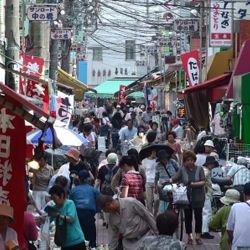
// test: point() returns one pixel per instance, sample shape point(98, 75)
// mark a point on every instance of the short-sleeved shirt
point(238, 222)
point(134, 181)
point(240, 174)
point(149, 166)
point(74, 232)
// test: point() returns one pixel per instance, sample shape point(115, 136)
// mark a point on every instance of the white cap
point(118, 106)
point(209, 143)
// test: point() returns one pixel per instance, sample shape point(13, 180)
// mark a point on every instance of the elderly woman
point(193, 177)
point(171, 142)
point(8, 236)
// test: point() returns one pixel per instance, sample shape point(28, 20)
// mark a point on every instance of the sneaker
point(207, 236)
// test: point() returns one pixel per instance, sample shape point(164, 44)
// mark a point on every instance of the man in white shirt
point(238, 224)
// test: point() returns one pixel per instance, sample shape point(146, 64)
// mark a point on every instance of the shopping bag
point(180, 195)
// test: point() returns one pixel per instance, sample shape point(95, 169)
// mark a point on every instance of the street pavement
point(102, 238)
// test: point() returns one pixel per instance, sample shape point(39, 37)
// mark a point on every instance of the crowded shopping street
point(124, 125)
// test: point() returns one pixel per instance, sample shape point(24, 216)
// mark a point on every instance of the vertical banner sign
point(122, 98)
point(152, 97)
point(64, 107)
point(221, 16)
point(190, 63)
point(12, 166)
point(33, 66)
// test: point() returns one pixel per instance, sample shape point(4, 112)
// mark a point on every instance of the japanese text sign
point(221, 23)
point(190, 62)
point(241, 9)
point(186, 25)
point(42, 13)
point(33, 66)
point(61, 34)
point(12, 165)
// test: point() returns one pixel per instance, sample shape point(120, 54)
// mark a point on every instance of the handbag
point(61, 231)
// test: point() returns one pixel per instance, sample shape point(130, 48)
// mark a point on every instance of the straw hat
point(231, 196)
point(73, 153)
point(7, 211)
point(209, 143)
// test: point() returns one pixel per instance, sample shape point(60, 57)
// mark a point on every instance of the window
point(97, 54)
point(130, 49)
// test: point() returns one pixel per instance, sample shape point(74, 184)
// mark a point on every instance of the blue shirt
point(75, 235)
point(84, 196)
point(127, 134)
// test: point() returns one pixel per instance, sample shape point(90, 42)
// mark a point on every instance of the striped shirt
point(240, 175)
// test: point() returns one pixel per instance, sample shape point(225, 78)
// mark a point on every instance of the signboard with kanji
point(42, 13)
point(241, 9)
point(186, 25)
point(61, 34)
point(190, 62)
point(221, 23)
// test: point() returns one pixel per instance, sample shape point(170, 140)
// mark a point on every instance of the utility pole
point(12, 35)
point(41, 40)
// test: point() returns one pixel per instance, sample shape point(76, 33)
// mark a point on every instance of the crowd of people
point(130, 192)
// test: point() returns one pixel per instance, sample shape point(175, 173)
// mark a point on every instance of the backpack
point(106, 185)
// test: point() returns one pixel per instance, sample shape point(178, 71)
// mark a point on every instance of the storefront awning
point(22, 107)
point(211, 84)
point(68, 80)
point(110, 87)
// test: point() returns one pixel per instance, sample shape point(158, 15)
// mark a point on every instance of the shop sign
point(12, 165)
point(190, 62)
point(42, 13)
point(241, 9)
point(221, 23)
point(61, 34)
point(186, 25)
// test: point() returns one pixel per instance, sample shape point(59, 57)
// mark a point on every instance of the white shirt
point(10, 235)
point(200, 159)
point(149, 165)
point(239, 223)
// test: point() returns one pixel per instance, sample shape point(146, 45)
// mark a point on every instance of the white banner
point(64, 107)
point(221, 17)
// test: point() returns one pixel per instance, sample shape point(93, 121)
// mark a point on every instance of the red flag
point(12, 166)
point(190, 62)
point(122, 98)
point(33, 66)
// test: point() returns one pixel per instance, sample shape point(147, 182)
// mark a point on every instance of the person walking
point(219, 220)
point(84, 197)
point(127, 218)
point(207, 209)
point(238, 226)
point(165, 170)
point(193, 177)
point(149, 166)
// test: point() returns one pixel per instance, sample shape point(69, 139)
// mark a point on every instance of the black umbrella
point(146, 150)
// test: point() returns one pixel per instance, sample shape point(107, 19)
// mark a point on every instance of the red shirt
point(134, 181)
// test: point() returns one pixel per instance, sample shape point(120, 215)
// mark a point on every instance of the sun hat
point(231, 196)
point(209, 143)
point(7, 211)
point(211, 160)
point(247, 188)
point(112, 158)
point(73, 153)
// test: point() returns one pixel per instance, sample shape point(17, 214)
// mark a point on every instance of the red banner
point(122, 98)
point(33, 66)
point(12, 166)
point(190, 63)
